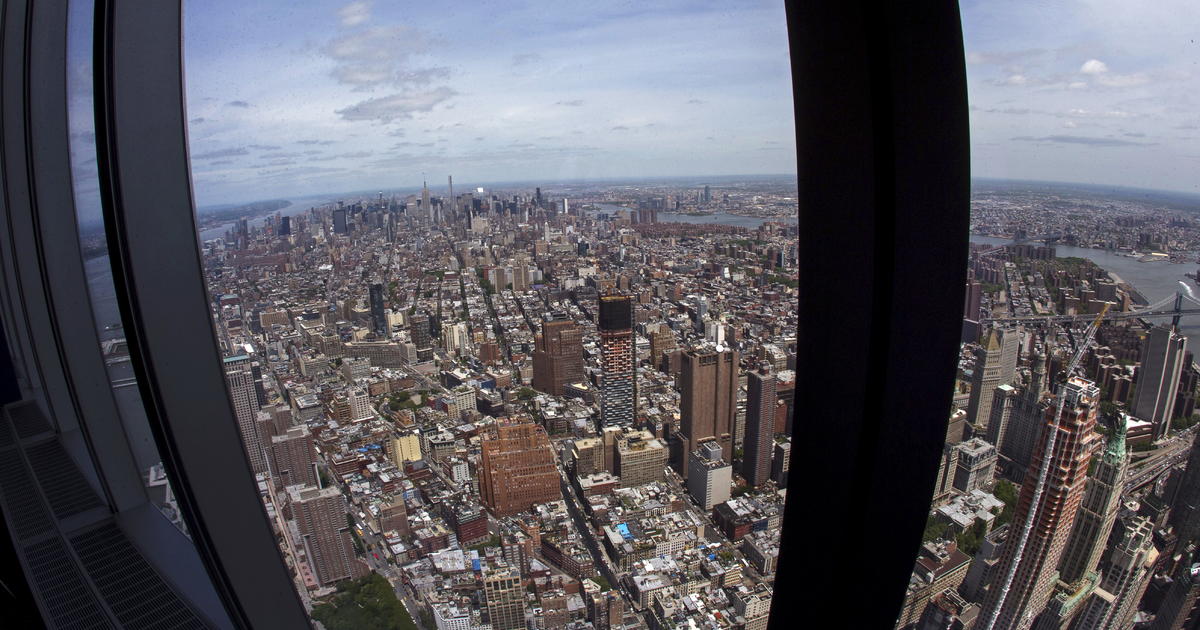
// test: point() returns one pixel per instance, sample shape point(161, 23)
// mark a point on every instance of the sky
point(1095, 91)
point(288, 99)
point(293, 98)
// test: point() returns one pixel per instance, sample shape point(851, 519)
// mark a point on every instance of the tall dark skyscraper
point(708, 386)
point(285, 226)
point(339, 221)
point(557, 355)
point(618, 390)
point(760, 427)
point(378, 317)
point(1045, 512)
point(1185, 511)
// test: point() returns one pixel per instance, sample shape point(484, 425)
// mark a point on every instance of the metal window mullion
point(145, 184)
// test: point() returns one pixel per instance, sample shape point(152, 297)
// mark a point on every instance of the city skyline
point(288, 99)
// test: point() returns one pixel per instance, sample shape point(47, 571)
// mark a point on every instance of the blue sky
point(294, 98)
point(297, 98)
point(1098, 91)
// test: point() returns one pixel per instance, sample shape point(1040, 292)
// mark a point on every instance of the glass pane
point(507, 296)
point(107, 316)
point(1065, 496)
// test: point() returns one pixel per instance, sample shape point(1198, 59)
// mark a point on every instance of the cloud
point(1134, 134)
point(385, 109)
point(197, 121)
point(280, 156)
point(1084, 140)
point(525, 58)
point(321, 142)
point(354, 154)
point(572, 103)
point(380, 55)
point(220, 153)
point(263, 147)
point(1099, 71)
point(355, 13)
point(242, 104)
point(620, 128)
point(220, 162)
point(1015, 79)
point(1001, 58)
point(695, 101)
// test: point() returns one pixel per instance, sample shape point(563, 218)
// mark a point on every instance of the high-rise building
point(285, 226)
point(760, 427)
point(378, 316)
point(975, 465)
point(1028, 568)
point(339, 221)
point(640, 458)
point(325, 533)
point(1025, 420)
point(292, 457)
point(662, 340)
point(1125, 574)
point(557, 355)
point(1185, 509)
point(618, 387)
point(781, 462)
point(517, 468)
point(505, 599)
point(995, 364)
point(709, 477)
point(418, 327)
point(708, 386)
point(1098, 512)
point(239, 378)
point(1158, 378)
point(426, 207)
point(1180, 608)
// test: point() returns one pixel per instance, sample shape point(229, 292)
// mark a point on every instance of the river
point(1156, 281)
point(720, 217)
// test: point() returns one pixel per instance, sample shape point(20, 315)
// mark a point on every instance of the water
point(719, 218)
point(300, 205)
point(1156, 281)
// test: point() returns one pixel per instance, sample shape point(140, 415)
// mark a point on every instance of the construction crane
point(1047, 456)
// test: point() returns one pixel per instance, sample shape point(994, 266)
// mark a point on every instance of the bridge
point(1175, 307)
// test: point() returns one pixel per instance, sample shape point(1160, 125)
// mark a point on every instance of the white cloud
point(1093, 66)
point(355, 13)
point(380, 55)
point(385, 109)
point(1016, 79)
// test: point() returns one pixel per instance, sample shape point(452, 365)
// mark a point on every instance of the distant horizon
point(976, 182)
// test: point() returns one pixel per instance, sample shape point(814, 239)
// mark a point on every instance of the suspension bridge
point(1175, 307)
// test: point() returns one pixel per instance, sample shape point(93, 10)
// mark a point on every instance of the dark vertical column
point(883, 147)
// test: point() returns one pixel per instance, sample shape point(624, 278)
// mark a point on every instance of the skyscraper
point(1125, 573)
point(517, 468)
point(1185, 509)
point(339, 220)
point(378, 317)
point(505, 599)
point(239, 378)
point(760, 427)
point(995, 364)
point(1158, 378)
point(291, 456)
point(618, 388)
point(557, 355)
point(425, 205)
point(1098, 512)
point(1046, 509)
point(418, 327)
point(325, 534)
point(708, 386)
point(1016, 440)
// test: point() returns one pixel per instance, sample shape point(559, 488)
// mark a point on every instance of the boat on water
point(1154, 257)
